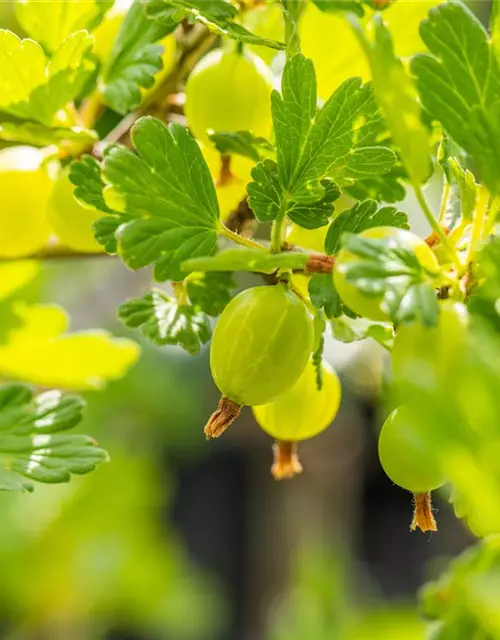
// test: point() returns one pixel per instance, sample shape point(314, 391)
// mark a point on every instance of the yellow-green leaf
point(41, 352)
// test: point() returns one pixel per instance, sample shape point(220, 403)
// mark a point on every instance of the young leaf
point(50, 23)
point(467, 187)
point(363, 215)
point(242, 143)
point(46, 86)
point(39, 350)
point(30, 443)
point(164, 321)
point(135, 59)
point(168, 191)
point(247, 260)
point(389, 269)
point(210, 292)
point(324, 295)
point(398, 100)
point(459, 85)
point(217, 15)
point(338, 142)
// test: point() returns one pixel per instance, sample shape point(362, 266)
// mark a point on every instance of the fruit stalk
point(423, 518)
point(286, 463)
point(226, 413)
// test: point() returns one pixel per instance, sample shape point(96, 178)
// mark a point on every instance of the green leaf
point(85, 174)
point(318, 348)
point(35, 88)
point(390, 269)
point(467, 187)
point(168, 191)
point(50, 23)
point(363, 215)
point(242, 143)
point(216, 15)
point(398, 100)
point(337, 142)
point(135, 59)
point(324, 295)
point(30, 443)
point(459, 85)
point(164, 321)
point(106, 230)
point(39, 135)
point(210, 292)
point(247, 260)
point(264, 193)
point(349, 330)
point(386, 188)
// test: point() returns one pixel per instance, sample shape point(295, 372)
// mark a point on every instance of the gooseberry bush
point(209, 137)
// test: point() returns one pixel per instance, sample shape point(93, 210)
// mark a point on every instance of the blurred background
point(180, 539)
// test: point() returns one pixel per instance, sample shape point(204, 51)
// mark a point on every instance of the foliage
point(414, 91)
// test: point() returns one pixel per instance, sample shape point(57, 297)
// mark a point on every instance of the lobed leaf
point(387, 268)
point(363, 215)
point(324, 295)
point(168, 192)
point(135, 59)
point(35, 88)
point(242, 143)
point(50, 23)
point(31, 445)
point(164, 321)
point(459, 85)
point(216, 15)
point(210, 292)
point(314, 146)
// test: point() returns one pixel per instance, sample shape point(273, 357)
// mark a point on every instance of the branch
point(57, 253)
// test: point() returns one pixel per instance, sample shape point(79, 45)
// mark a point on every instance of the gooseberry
point(302, 411)
point(403, 457)
point(229, 91)
point(260, 347)
point(70, 221)
point(369, 306)
point(418, 350)
point(25, 184)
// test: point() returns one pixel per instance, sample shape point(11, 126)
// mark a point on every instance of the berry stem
point(277, 229)
point(444, 200)
point(477, 224)
point(436, 227)
point(423, 518)
point(286, 463)
point(226, 413)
